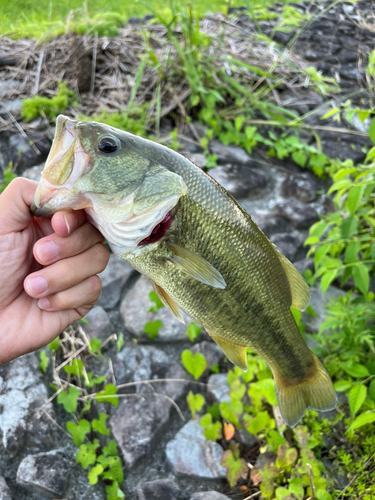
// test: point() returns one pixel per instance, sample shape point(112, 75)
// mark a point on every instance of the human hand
point(48, 271)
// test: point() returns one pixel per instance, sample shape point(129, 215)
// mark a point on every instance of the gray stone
point(13, 106)
point(210, 351)
point(22, 394)
point(189, 453)
point(5, 493)
point(299, 215)
point(270, 224)
point(197, 158)
point(247, 439)
point(114, 277)
point(240, 181)
point(23, 155)
point(34, 173)
point(318, 301)
point(161, 489)
point(348, 56)
point(303, 187)
point(99, 324)
point(208, 495)
point(289, 244)
point(218, 387)
point(229, 154)
point(44, 473)
point(139, 421)
point(134, 311)
point(304, 264)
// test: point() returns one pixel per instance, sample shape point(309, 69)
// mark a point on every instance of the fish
point(200, 249)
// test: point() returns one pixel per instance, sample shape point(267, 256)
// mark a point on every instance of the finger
point(15, 204)
point(53, 248)
point(64, 223)
point(83, 295)
point(67, 273)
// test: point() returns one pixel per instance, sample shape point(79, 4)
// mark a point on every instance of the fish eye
point(107, 145)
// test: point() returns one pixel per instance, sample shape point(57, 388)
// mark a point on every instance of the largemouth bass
point(201, 250)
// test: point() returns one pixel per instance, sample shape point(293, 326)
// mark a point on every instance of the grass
point(45, 18)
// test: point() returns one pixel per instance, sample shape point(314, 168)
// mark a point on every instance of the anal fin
point(168, 301)
point(298, 287)
point(195, 266)
point(234, 352)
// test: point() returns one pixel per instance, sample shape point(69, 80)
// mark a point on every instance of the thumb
point(15, 204)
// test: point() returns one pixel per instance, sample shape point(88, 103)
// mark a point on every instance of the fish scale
point(212, 261)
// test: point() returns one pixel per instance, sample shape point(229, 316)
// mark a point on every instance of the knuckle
point(101, 255)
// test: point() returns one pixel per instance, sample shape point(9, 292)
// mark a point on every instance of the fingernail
point(37, 285)
point(44, 303)
point(48, 251)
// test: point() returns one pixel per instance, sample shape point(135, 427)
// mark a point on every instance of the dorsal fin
point(167, 301)
point(195, 266)
point(298, 286)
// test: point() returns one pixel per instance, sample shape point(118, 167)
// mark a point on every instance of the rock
point(99, 324)
point(114, 277)
point(79, 488)
point(14, 106)
point(229, 154)
point(134, 311)
point(303, 187)
point(197, 158)
point(161, 489)
point(208, 495)
point(289, 244)
point(304, 264)
point(283, 37)
point(318, 301)
point(299, 215)
point(210, 351)
point(22, 394)
point(34, 173)
point(44, 473)
point(190, 454)
point(218, 387)
point(240, 181)
point(23, 155)
point(247, 439)
point(138, 423)
point(5, 493)
point(348, 56)
point(270, 224)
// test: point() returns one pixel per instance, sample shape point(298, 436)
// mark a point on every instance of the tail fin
point(315, 392)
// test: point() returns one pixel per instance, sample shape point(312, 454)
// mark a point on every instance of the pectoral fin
point(195, 266)
point(234, 352)
point(298, 286)
point(168, 301)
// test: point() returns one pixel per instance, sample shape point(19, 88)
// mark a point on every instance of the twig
point(354, 478)
point(93, 68)
point(22, 132)
point(38, 70)
point(256, 494)
point(142, 382)
point(309, 470)
point(54, 421)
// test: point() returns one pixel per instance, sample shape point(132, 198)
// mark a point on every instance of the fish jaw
point(66, 162)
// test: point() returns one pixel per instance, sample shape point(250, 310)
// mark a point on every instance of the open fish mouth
point(65, 164)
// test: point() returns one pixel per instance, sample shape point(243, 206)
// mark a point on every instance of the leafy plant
point(50, 106)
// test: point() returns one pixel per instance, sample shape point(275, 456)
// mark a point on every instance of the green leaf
point(349, 227)
point(152, 328)
point(286, 456)
point(94, 380)
point(323, 495)
point(342, 385)
point(69, 399)
point(195, 365)
point(95, 344)
point(259, 423)
point(228, 411)
point(371, 389)
point(99, 425)
point(351, 252)
point(75, 368)
point(212, 431)
point(8, 177)
point(54, 345)
point(361, 278)
point(263, 390)
point(300, 158)
point(355, 370)
point(354, 198)
point(108, 395)
point(361, 420)
point(120, 342)
point(158, 304)
point(236, 467)
point(87, 454)
point(84, 321)
point(330, 113)
point(195, 402)
point(111, 449)
point(79, 431)
point(94, 473)
point(44, 361)
point(371, 130)
point(215, 368)
point(113, 492)
point(193, 331)
point(327, 279)
point(356, 397)
point(214, 411)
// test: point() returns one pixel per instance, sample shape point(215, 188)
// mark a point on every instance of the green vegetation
point(51, 107)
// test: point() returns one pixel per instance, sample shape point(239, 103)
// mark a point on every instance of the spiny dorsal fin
point(195, 266)
point(234, 352)
point(298, 286)
point(168, 301)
